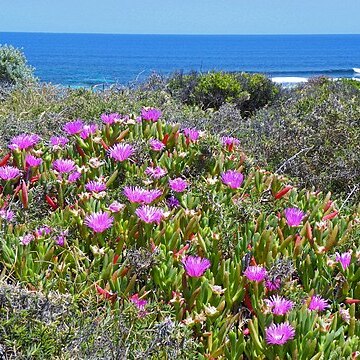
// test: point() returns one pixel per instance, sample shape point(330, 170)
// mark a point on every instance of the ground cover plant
point(174, 244)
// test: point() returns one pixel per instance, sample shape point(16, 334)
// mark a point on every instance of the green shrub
point(261, 89)
point(248, 92)
point(13, 66)
point(216, 88)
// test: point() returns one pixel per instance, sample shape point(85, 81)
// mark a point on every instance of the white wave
point(289, 80)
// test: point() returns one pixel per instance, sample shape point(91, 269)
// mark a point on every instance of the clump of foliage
point(14, 69)
point(248, 92)
point(183, 242)
point(313, 134)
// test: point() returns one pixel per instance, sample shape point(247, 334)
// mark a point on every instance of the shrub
point(248, 92)
point(216, 88)
point(13, 66)
point(316, 126)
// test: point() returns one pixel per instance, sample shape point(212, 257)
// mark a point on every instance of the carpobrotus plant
point(226, 255)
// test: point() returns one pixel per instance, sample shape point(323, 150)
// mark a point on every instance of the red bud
point(330, 216)
point(282, 192)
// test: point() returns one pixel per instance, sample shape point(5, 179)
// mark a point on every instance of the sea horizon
point(88, 59)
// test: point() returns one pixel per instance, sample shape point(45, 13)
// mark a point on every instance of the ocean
point(90, 59)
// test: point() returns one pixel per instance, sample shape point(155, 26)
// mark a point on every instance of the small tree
point(14, 69)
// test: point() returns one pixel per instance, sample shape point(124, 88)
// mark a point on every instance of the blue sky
point(182, 16)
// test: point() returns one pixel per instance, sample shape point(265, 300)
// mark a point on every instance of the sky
point(181, 16)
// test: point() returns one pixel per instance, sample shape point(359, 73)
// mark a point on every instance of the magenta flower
point(294, 216)
point(155, 172)
point(24, 141)
point(232, 178)
point(64, 166)
point(9, 172)
point(229, 142)
point(61, 238)
point(7, 215)
point(141, 196)
point(195, 266)
point(139, 303)
point(110, 118)
point(191, 134)
point(116, 207)
point(121, 152)
point(134, 194)
point(255, 273)
point(95, 186)
point(74, 127)
point(88, 130)
point(344, 259)
point(279, 334)
point(178, 185)
point(43, 231)
point(150, 195)
point(149, 214)
point(74, 176)
point(58, 141)
point(273, 285)
point(173, 202)
point(151, 114)
point(156, 145)
point(27, 239)
point(317, 303)
point(279, 305)
point(32, 161)
point(99, 222)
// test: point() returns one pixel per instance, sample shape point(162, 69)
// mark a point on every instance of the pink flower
point(24, 141)
point(7, 215)
point(279, 334)
point(195, 266)
point(61, 238)
point(344, 259)
point(116, 207)
point(255, 273)
point(74, 127)
point(58, 141)
point(141, 196)
point(149, 214)
point(64, 166)
point(229, 142)
point(279, 305)
point(88, 130)
point(156, 172)
point(139, 303)
point(121, 152)
point(151, 114)
point(32, 161)
point(232, 178)
point(99, 222)
point(95, 186)
point(110, 118)
point(27, 239)
point(178, 185)
point(294, 216)
point(156, 145)
point(273, 285)
point(134, 194)
point(73, 177)
point(317, 303)
point(191, 134)
point(9, 172)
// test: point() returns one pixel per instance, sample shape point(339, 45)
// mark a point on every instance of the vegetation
point(13, 67)
point(155, 234)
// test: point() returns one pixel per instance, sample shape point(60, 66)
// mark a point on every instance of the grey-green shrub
point(14, 69)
